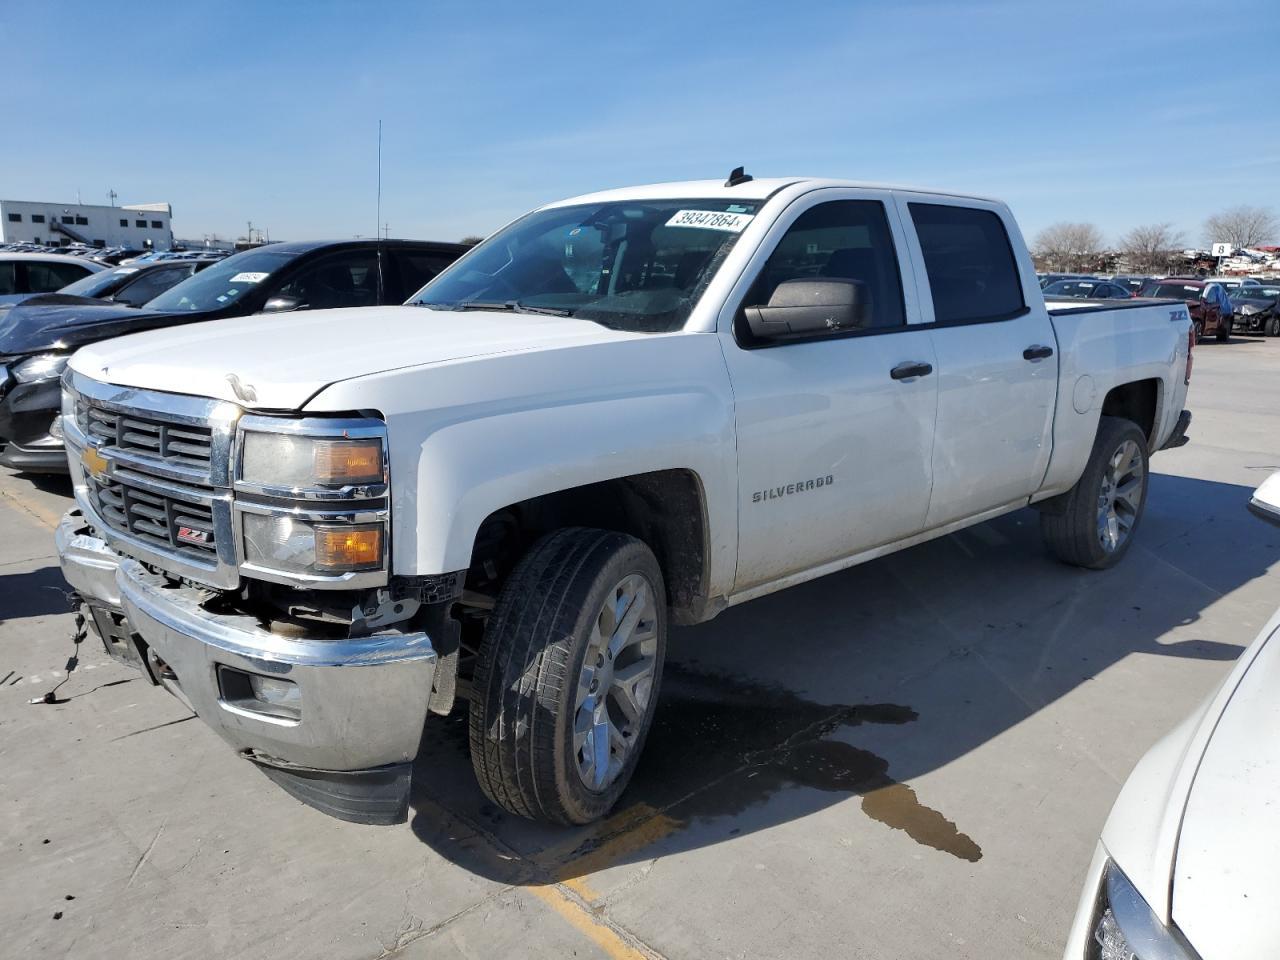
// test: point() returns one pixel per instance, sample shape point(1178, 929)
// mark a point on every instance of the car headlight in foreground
point(45, 366)
point(1126, 928)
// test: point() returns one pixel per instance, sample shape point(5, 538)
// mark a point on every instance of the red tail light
point(1191, 345)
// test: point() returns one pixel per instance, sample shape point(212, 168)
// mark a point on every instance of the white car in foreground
point(1188, 866)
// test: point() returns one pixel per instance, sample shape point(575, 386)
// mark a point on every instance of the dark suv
point(36, 342)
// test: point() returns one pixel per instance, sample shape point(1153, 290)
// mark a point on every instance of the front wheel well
point(666, 509)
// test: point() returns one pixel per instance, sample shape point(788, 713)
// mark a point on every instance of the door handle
point(1037, 352)
point(912, 368)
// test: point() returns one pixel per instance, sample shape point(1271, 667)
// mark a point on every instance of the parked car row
point(39, 334)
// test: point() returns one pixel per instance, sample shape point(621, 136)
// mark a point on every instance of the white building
point(141, 226)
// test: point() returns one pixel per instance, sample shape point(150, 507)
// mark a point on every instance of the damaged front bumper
point(336, 723)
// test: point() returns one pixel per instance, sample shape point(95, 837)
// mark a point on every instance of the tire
point(1078, 534)
point(527, 702)
point(1198, 325)
point(1273, 326)
point(1224, 330)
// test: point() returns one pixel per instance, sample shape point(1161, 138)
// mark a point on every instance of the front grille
point(171, 522)
point(134, 432)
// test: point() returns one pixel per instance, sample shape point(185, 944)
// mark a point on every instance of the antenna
point(739, 175)
point(376, 231)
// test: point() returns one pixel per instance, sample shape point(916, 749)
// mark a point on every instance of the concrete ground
point(911, 759)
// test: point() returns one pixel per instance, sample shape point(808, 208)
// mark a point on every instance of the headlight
point(1128, 929)
point(43, 367)
point(296, 462)
point(291, 545)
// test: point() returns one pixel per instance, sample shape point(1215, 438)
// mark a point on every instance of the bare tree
point(1152, 248)
point(1242, 226)
point(471, 240)
point(1069, 247)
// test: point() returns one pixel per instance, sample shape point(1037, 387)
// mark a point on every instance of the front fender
point(473, 436)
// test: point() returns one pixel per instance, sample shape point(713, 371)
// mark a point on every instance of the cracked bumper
point(345, 740)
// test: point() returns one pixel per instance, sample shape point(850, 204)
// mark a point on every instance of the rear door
point(996, 350)
point(833, 451)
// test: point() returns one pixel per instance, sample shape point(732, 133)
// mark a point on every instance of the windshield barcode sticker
point(248, 278)
point(711, 220)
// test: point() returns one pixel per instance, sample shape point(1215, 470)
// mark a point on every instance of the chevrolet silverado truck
point(620, 412)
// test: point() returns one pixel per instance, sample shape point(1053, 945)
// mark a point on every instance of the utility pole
point(386, 231)
point(111, 195)
point(379, 218)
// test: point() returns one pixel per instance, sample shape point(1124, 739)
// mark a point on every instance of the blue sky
point(1119, 113)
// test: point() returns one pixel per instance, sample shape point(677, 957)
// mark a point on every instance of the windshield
point(99, 284)
point(223, 283)
point(636, 265)
point(1257, 293)
point(1172, 291)
point(1071, 288)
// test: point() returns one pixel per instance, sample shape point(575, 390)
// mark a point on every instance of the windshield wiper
point(515, 306)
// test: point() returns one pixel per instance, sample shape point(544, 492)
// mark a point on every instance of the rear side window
point(417, 268)
point(8, 279)
point(967, 255)
point(48, 277)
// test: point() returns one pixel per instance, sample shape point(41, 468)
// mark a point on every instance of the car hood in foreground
point(280, 361)
point(59, 322)
point(1227, 871)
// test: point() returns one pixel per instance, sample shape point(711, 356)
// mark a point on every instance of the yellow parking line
point(44, 515)
point(585, 922)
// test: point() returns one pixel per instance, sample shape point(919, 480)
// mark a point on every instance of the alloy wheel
point(616, 682)
point(1120, 496)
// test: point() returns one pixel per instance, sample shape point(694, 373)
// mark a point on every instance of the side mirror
point(282, 304)
point(1265, 502)
point(806, 308)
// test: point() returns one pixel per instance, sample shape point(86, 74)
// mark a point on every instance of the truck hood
point(280, 361)
point(59, 322)
point(1227, 872)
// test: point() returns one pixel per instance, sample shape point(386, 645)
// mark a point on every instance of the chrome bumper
point(344, 745)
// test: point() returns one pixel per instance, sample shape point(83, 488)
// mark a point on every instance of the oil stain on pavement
point(720, 745)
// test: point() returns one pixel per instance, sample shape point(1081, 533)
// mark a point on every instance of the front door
point(833, 450)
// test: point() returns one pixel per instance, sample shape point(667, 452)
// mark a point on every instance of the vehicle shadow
point(858, 683)
point(33, 593)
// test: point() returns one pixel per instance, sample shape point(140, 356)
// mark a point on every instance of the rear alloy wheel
point(1273, 326)
point(1094, 523)
point(1199, 328)
point(567, 676)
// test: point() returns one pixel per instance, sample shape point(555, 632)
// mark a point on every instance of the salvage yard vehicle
point(1207, 302)
point(1257, 310)
point(622, 411)
point(1088, 290)
point(24, 274)
point(36, 340)
point(1186, 867)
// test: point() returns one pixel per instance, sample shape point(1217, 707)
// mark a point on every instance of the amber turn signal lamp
point(348, 461)
point(345, 548)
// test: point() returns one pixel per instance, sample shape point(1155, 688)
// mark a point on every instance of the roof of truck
point(760, 188)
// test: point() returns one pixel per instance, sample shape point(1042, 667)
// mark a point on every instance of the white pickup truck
point(621, 411)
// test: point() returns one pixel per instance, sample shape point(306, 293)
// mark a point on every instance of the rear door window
point(415, 270)
point(48, 277)
point(8, 279)
point(969, 261)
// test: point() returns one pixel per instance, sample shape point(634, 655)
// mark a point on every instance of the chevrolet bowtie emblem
point(94, 462)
